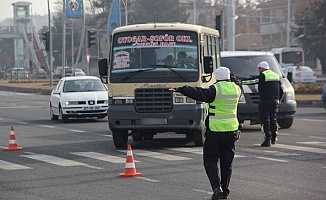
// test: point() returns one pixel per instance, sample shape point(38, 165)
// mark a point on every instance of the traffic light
point(218, 22)
point(46, 38)
point(91, 38)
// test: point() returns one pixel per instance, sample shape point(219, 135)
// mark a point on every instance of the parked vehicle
point(17, 73)
point(243, 64)
point(289, 56)
point(69, 72)
point(79, 72)
point(79, 97)
point(40, 73)
point(300, 74)
point(323, 96)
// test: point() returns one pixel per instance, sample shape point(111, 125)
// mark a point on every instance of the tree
point(312, 29)
point(145, 11)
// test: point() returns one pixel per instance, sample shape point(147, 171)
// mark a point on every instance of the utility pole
point(63, 38)
point(230, 25)
point(288, 24)
point(50, 46)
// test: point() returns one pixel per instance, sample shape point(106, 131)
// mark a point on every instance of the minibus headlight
point(242, 99)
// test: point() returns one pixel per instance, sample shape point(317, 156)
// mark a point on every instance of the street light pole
point(50, 52)
point(195, 12)
point(288, 24)
point(63, 38)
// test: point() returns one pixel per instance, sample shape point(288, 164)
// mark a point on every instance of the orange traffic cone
point(130, 169)
point(12, 142)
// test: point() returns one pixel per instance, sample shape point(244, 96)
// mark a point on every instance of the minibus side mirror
point(208, 64)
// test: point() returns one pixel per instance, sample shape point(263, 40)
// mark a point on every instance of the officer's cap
point(222, 73)
point(263, 65)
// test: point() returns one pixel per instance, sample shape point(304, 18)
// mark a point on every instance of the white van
point(243, 64)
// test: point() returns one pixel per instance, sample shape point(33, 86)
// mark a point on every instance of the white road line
point(300, 148)
point(47, 126)
point(313, 120)
point(78, 131)
point(272, 159)
point(11, 166)
point(202, 191)
point(196, 151)
point(54, 160)
point(317, 137)
point(157, 155)
point(317, 143)
point(21, 122)
point(107, 135)
point(278, 153)
point(188, 150)
point(148, 179)
point(287, 134)
point(100, 156)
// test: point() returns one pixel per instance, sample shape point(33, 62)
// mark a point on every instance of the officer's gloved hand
point(178, 89)
point(237, 135)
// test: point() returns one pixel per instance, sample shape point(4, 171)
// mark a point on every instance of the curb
point(26, 90)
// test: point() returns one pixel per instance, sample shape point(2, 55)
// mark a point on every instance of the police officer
point(270, 94)
point(221, 128)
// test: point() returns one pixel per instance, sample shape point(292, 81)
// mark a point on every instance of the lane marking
point(198, 150)
point(300, 148)
point(317, 143)
point(47, 126)
point(100, 156)
point(313, 120)
point(202, 191)
point(12, 166)
point(278, 153)
point(54, 160)
point(78, 131)
point(317, 137)
point(157, 155)
point(148, 179)
point(107, 135)
point(272, 159)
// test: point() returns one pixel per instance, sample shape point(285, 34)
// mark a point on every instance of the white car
point(301, 74)
point(79, 97)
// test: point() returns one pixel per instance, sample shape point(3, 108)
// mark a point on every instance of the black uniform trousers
point(219, 146)
point(267, 115)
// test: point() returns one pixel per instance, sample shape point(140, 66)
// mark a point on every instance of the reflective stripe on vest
point(222, 111)
point(250, 82)
point(271, 76)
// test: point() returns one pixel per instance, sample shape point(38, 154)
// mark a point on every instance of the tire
point(148, 136)
point(62, 117)
point(120, 139)
point(53, 116)
point(136, 136)
point(199, 137)
point(285, 123)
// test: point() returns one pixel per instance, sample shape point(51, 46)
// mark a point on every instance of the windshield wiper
point(131, 74)
point(171, 69)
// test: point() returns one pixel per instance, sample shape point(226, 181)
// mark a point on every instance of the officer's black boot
point(274, 138)
point(218, 193)
point(267, 142)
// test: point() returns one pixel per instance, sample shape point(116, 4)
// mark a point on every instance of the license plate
point(91, 107)
point(151, 121)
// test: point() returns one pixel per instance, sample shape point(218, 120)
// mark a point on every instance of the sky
point(38, 7)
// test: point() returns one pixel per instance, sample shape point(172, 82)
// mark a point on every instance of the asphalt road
point(77, 160)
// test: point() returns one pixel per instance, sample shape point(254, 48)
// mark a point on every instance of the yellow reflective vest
point(222, 112)
point(270, 76)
